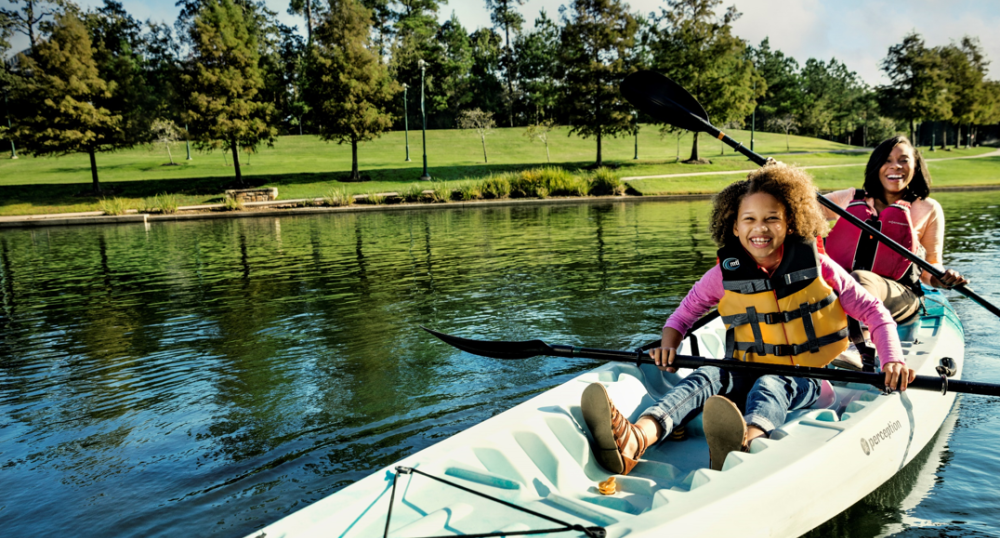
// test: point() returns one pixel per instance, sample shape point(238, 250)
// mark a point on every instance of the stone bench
point(253, 195)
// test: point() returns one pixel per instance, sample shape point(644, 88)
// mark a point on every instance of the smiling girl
point(782, 303)
point(895, 199)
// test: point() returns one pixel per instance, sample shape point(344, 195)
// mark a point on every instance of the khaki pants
point(898, 299)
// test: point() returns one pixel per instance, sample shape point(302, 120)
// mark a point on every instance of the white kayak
point(537, 456)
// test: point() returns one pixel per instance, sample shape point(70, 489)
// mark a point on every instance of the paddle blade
point(495, 349)
point(664, 100)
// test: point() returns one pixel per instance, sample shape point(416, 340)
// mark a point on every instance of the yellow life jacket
point(791, 317)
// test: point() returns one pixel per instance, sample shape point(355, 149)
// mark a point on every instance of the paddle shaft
point(842, 213)
point(687, 361)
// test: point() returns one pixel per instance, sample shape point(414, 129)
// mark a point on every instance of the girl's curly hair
point(791, 186)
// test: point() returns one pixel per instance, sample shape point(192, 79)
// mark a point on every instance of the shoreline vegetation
point(308, 172)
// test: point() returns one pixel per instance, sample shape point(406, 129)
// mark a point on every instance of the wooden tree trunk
point(912, 129)
point(482, 136)
point(694, 149)
point(236, 162)
point(93, 172)
point(599, 161)
point(355, 175)
point(944, 137)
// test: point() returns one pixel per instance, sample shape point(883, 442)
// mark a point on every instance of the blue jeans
point(764, 400)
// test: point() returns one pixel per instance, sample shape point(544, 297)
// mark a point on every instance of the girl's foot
point(725, 430)
point(614, 435)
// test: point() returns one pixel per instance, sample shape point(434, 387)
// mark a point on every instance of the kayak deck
point(537, 456)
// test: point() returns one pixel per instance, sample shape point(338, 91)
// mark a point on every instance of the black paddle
point(534, 348)
point(665, 100)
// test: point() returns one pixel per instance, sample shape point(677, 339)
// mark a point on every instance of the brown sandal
point(725, 430)
point(611, 431)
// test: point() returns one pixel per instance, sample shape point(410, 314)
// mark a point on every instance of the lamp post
point(423, 114)
point(187, 141)
point(406, 123)
point(635, 116)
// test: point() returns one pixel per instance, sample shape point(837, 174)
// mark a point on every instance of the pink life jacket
point(855, 250)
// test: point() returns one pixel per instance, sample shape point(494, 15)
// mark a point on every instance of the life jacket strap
point(785, 350)
point(758, 285)
point(747, 287)
point(772, 318)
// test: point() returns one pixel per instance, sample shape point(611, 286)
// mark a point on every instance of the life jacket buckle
point(772, 318)
point(782, 350)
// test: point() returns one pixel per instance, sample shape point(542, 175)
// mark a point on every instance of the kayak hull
point(537, 455)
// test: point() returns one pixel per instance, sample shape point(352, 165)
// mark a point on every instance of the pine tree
point(698, 50)
point(594, 51)
point(349, 86)
point(504, 15)
point(918, 88)
point(225, 80)
point(58, 106)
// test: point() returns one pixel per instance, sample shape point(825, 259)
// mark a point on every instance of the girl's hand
point(664, 357)
point(897, 374)
point(950, 279)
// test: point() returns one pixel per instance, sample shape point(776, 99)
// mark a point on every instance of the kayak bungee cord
point(590, 532)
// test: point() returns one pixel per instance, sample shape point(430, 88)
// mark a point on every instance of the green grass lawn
point(307, 167)
point(848, 172)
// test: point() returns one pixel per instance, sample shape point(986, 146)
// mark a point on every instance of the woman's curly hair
point(791, 186)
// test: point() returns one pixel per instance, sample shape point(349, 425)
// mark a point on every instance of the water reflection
point(209, 377)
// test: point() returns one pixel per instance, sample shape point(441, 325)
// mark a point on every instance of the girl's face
point(761, 225)
point(897, 171)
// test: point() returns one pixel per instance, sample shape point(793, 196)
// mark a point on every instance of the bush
point(375, 198)
point(338, 198)
point(604, 182)
point(469, 191)
point(232, 203)
point(496, 186)
point(165, 203)
point(114, 206)
point(560, 182)
point(441, 194)
point(413, 193)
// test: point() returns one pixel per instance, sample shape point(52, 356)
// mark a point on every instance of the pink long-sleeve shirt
point(858, 303)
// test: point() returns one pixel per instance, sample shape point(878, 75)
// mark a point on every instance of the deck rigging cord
point(590, 532)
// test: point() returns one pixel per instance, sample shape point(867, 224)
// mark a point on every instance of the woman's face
point(761, 225)
point(897, 171)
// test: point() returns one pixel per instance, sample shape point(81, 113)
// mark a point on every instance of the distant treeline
point(227, 74)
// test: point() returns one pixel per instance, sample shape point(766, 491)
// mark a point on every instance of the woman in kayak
point(895, 200)
point(782, 302)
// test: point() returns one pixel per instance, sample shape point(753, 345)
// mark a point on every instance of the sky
point(855, 32)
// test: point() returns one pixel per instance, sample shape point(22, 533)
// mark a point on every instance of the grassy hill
point(305, 166)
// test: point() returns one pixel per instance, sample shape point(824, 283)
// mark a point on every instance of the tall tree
point(965, 65)
point(596, 39)
point(698, 50)
point(536, 54)
point(782, 101)
point(383, 18)
point(350, 88)
point(224, 105)
point(505, 16)
point(305, 9)
point(58, 107)
point(32, 18)
point(918, 88)
point(118, 42)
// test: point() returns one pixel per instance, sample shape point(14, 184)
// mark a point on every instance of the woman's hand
point(897, 374)
point(664, 357)
point(950, 279)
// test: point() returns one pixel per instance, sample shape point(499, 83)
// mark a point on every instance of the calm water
point(207, 378)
